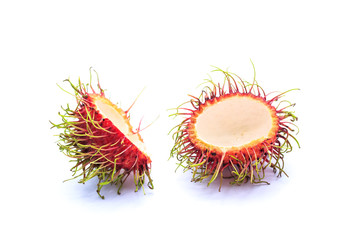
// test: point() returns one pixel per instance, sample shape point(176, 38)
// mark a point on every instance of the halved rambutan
point(234, 127)
point(97, 135)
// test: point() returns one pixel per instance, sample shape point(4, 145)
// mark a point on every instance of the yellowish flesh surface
point(234, 122)
point(120, 122)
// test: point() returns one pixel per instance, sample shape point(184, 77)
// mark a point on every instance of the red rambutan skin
point(246, 162)
point(97, 146)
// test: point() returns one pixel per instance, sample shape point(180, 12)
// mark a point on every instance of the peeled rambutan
point(234, 130)
point(97, 135)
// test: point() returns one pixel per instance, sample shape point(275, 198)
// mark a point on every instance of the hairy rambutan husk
point(242, 163)
point(96, 146)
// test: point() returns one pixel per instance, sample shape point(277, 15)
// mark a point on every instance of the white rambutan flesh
point(234, 121)
point(120, 120)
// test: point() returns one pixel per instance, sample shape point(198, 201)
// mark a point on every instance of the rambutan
point(98, 137)
point(234, 127)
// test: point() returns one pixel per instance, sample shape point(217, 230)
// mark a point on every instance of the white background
point(169, 47)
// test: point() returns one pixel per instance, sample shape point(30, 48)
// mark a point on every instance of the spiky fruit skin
point(244, 163)
point(97, 146)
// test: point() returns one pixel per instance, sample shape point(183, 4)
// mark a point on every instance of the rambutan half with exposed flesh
point(233, 128)
point(97, 135)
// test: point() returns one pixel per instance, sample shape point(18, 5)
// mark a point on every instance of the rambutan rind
point(97, 135)
point(241, 149)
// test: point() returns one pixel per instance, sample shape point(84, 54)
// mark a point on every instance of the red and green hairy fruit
point(99, 139)
point(233, 130)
